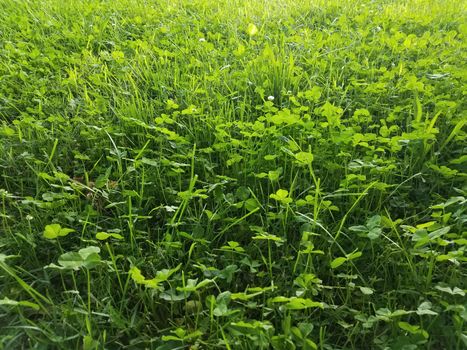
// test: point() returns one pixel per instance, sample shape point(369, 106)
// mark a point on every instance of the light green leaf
point(102, 236)
point(92, 260)
point(452, 291)
point(301, 303)
point(338, 262)
point(279, 299)
point(161, 276)
point(86, 252)
point(268, 237)
point(136, 275)
point(167, 338)
point(251, 204)
point(304, 158)
point(71, 260)
point(408, 327)
point(366, 290)
point(245, 296)
point(414, 329)
point(274, 175)
point(7, 131)
point(281, 196)
point(270, 156)
point(8, 302)
point(354, 255)
point(191, 285)
point(440, 232)
point(425, 309)
point(53, 231)
point(252, 29)
point(3, 257)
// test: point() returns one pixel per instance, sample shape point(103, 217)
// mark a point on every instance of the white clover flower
point(202, 40)
point(29, 217)
point(271, 98)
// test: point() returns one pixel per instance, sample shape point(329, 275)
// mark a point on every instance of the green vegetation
point(233, 174)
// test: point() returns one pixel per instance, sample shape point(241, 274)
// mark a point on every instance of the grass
point(232, 174)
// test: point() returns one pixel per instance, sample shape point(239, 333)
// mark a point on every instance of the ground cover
point(232, 174)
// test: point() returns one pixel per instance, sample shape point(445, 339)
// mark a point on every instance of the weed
point(232, 174)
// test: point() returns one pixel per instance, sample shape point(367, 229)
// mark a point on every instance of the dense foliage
point(233, 174)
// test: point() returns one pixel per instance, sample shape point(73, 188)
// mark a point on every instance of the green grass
point(233, 174)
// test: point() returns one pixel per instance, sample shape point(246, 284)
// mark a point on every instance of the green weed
point(233, 174)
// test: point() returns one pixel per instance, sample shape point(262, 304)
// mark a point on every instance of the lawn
point(233, 174)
